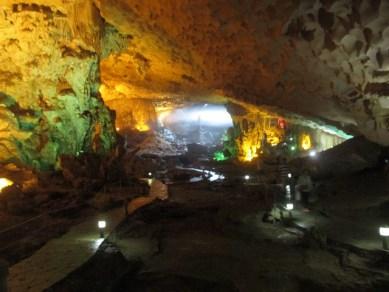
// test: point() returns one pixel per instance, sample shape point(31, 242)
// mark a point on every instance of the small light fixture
point(289, 206)
point(293, 148)
point(101, 224)
point(287, 187)
point(312, 153)
point(246, 177)
point(150, 174)
point(384, 233)
point(291, 139)
point(289, 175)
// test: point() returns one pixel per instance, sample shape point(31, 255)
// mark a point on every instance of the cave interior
point(194, 145)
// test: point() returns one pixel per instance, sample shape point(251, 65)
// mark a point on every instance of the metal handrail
point(34, 218)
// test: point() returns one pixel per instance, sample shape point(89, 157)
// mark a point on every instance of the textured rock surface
point(49, 82)
point(320, 58)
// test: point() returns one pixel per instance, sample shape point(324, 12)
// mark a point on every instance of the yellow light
point(249, 151)
point(142, 127)
point(274, 141)
point(5, 182)
point(306, 143)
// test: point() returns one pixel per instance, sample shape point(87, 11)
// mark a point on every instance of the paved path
point(60, 256)
point(359, 232)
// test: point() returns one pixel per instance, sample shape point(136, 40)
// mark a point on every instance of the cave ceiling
point(318, 58)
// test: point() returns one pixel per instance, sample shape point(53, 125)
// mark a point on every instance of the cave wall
point(351, 38)
point(257, 133)
point(326, 59)
point(133, 114)
point(49, 66)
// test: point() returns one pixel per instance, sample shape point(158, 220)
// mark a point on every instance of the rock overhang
point(322, 59)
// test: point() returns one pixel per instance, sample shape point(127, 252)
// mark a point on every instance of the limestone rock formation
point(318, 58)
point(49, 82)
point(324, 59)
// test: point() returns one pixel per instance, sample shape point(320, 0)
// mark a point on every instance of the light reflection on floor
point(211, 175)
point(96, 243)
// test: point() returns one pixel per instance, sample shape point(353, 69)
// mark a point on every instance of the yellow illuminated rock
point(306, 143)
point(60, 59)
point(4, 182)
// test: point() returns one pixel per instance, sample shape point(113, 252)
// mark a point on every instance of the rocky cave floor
point(29, 220)
point(210, 237)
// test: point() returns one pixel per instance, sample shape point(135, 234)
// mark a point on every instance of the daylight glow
point(213, 115)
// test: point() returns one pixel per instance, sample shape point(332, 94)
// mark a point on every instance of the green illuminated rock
point(50, 104)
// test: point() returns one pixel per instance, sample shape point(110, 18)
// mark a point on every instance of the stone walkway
point(359, 232)
point(60, 256)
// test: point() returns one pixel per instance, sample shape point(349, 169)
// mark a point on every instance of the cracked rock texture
point(321, 58)
point(49, 82)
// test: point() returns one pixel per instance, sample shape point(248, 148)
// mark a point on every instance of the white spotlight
point(289, 206)
point(289, 175)
point(102, 224)
point(246, 177)
point(149, 174)
point(384, 231)
point(312, 153)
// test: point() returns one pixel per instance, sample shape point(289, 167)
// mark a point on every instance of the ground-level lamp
point(289, 207)
point(384, 233)
point(288, 192)
point(101, 224)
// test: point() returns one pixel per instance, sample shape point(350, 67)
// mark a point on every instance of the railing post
point(3, 275)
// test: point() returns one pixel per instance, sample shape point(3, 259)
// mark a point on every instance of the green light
point(219, 156)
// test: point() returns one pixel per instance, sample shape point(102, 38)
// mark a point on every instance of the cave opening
point(203, 124)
